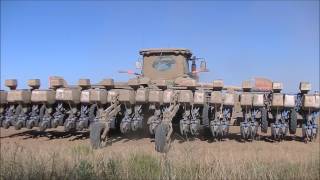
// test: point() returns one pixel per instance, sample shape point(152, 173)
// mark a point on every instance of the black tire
point(182, 132)
point(264, 120)
point(151, 130)
point(124, 127)
point(30, 124)
point(42, 112)
point(92, 112)
point(18, 110)
point(69, 126)
point(293, 122)
point(54, 123)
point(43, 125)
point(273, 133)
point(6, 124)
point(96, 129)
point(38, 122)
point(18, 125)
point(161, 143)
point(205, 115)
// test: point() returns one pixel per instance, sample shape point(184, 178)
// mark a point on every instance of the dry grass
point(135, 159)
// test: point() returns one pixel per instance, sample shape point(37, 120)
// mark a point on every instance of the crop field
point(28, 154)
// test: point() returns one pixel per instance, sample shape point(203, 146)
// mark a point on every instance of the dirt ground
point(56, 139)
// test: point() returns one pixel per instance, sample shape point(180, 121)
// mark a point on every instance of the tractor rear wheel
point(293, 122)
point(161, 142)
point(92, 112)
point(18, 124)
point(264, 120)
point(43, 125)
point(42, 112)
point(96, 130)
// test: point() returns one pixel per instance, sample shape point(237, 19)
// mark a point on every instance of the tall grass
point(81, 162)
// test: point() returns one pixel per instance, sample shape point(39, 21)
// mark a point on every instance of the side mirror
point(203, 66)
point(138, 65)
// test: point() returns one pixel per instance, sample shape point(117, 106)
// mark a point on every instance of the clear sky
point(94, 39)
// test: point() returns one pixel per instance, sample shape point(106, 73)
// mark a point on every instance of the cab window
point(164, 63)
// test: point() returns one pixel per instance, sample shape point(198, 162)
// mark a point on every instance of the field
point(28, 154)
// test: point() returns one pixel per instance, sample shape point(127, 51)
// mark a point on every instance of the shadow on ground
point(116, 136)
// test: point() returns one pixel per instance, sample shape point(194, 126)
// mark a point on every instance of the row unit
point(145, 95)
point(279, 100)
point(101, 96)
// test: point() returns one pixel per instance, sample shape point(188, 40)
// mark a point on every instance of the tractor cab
point(168, 64)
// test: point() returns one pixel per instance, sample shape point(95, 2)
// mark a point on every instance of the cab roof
point(155, 51)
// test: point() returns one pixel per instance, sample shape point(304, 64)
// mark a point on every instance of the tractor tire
point(1, 120)
point(151, 130)
point(18, 124)
point(205, 115)
point(293, 122)
point(96, 129)
point(18, 110)
point(42, 112)
point(161, 143)
point(6, 124)
point(92, 113)
point(43, 126)
point(41, 115)
point(151, 127)
point(30, 124)
point(69, 126)
point(264, 120)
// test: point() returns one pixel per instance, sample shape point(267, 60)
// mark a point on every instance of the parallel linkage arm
point(107, 115)
point(170, 112)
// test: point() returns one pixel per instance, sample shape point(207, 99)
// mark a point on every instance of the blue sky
point(94, 39)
